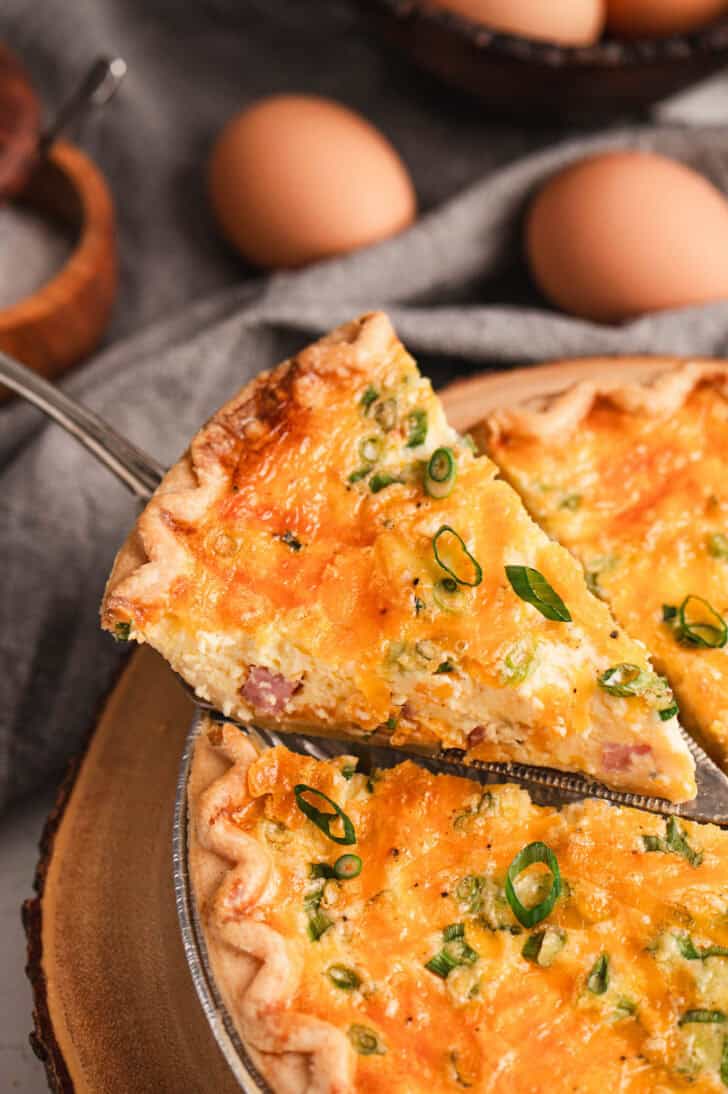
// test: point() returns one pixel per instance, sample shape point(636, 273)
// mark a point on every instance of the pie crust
point(626, 894)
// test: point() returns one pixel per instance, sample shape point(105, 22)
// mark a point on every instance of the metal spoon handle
point(97, 87)
point(138, 471)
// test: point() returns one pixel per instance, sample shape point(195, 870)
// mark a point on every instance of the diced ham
point(618, 757)
point(476, 736)
point(266, 691)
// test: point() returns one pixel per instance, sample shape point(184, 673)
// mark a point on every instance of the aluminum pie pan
point(218, 1017)
point(222, 1026)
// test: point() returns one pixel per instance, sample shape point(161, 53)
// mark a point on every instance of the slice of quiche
point(642, 500)
point(331, 557)
point(421, 934)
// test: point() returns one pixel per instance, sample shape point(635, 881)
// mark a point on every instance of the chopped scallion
point(347, 867)
point(675, 843)
point(416, 428)
point(531, 853)
point(701, 1015)
point(598, 979)
point(541, 947)
point(381, 480)
point(699, 624)
point(122, 631)
point(385, 414)
point(440, 473)
point(318, 925)
point(370, 449)
point(533, 587)
point(718, 545)
point(324, 820)
point(344, 977)
point(463, 577)
point(370, 396)
point(365, 1041)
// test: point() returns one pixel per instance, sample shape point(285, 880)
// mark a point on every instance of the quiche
point(331, 557)
point(642, 501)
point(403, 932)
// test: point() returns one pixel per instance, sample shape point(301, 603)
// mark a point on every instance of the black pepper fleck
point(614, 634)
point(444, 893)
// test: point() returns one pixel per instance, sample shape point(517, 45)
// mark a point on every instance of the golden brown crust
point(257, 969)
point(557, 417)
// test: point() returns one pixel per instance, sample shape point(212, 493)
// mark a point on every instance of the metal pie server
point(141, 475)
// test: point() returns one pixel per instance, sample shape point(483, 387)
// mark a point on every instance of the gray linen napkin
point(454, 286)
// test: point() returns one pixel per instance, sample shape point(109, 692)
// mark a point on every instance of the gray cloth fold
point(454, 285)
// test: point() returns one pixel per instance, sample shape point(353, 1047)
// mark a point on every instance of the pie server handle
point(138, 471)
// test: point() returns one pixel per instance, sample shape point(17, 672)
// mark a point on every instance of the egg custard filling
point(331, 557)
point(403, 932)
point(642, 501)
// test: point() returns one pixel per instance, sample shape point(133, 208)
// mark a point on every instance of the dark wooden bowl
point(64, 320)
point(539, 81)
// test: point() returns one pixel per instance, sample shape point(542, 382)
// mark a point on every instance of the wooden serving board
point(115, 1008)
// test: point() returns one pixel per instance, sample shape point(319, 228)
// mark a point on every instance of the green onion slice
point(699, 624)
point(318, 925)
point(366, 1041)
point(533, 587)
point(360, 473)
point(385, 414)
point(455, 952)
point(381, 480)
point(571, 502)
point(469, 891)
point(344, 977)
point(370, 396)
point(321, 819)
point(347, 867)
point(444, 667)
point(675, 843)
point(718, 545)
point(701, 1015)
point(533, 852)
point(462, 577)
point(349, 770)
point(448, 595)
point(122, 631)
point(370, 449)
point(669, 712)
point(440, 473)
point(624, 679)
point(598, 979)
point(416, 428)
point(542, 946)
point(691, 952)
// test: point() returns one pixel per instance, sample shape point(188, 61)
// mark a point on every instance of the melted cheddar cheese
point(642, 501)
point(610, 991)
point(294, 581)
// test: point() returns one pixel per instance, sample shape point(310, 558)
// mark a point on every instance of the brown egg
point(634, 18)
point(570, 22)
point(624, 233)
point(294, 178)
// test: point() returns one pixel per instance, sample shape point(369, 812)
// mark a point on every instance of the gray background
point(192, 322)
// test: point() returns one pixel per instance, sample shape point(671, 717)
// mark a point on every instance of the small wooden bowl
point(544, 82)
point(64, 320)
